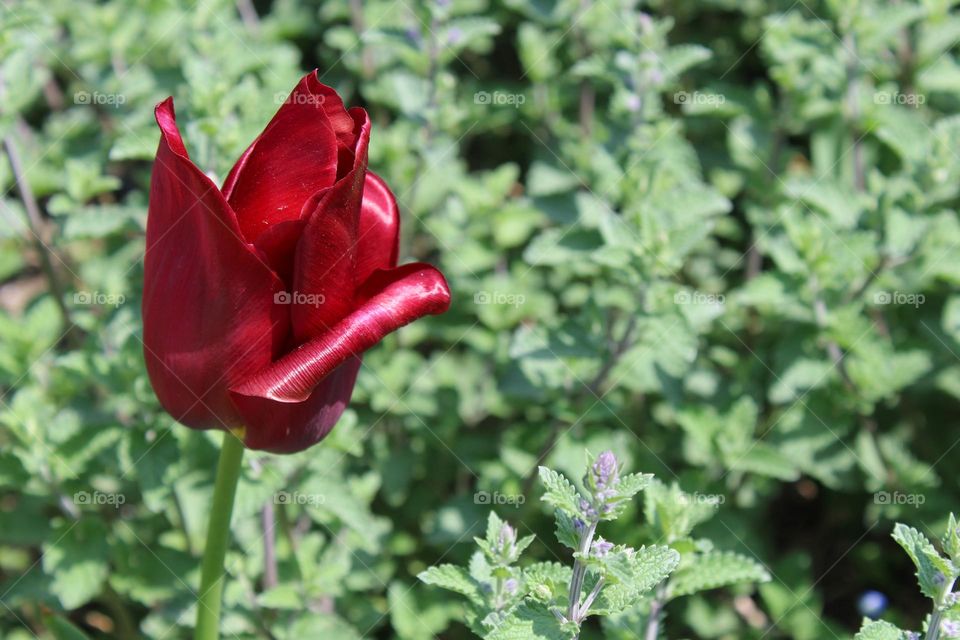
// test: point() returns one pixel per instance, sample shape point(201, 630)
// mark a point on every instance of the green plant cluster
point(627, 586)
point(717, 237)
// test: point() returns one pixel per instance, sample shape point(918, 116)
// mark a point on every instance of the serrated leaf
point(530, 621)
point(714, 570)
point(632, 484)
point(453, 578)
point(933, 570)
point(560, 492)
point(880, 630)
point(647, 568)
point(566, 532)
point(548, 581)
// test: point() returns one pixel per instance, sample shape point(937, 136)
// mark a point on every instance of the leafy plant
point(551, 600)
point(937, 574)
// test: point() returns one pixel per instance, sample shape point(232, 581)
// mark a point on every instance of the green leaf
point(951, 540)
point(632, 484)
point(880, 630)
point(453, 578)
point(933, 570)
point(634, 575)
point(713, 570)
point(560, 492)
point(77, 560)
point(548, 581)
point(566, 533)
point(530, 621)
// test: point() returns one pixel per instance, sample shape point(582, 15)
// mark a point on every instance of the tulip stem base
point(218, 536)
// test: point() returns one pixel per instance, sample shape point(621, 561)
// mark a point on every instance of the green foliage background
point(718, 237)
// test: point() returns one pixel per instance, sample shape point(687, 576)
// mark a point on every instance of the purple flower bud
point(413, 34)
point(507, 536)
point(634, 102)
point(600, 547)
point(511, 585)
point(950, 628)
point(605, 470)
point(454, 35)
point(579, 525)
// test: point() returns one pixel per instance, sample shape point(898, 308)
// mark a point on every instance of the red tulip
point(260, 297)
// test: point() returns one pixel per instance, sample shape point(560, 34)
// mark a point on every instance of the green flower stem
point(218, 535)
point(933, 627)
point(579, 571)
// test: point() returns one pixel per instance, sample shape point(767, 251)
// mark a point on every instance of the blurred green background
point(717, 236)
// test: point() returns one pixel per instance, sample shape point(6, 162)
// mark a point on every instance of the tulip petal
point(208, 315)
point(286, 427)
point(378, 243)
point(387, 301)
point(295, 156)
point(325, 274)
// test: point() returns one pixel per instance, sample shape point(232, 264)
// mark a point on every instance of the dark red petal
point(294, 157)
point(387, 301)
point(208, 313)
point(285, 427)
point(379, 228)
point(325, 274)
point(278, 246)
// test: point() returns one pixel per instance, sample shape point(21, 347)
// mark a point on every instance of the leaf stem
point(218, 535)
point(585, 609)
